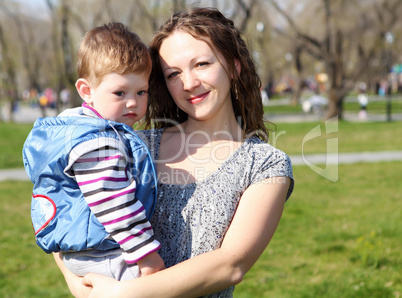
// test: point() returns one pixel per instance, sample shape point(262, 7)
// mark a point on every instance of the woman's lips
point(198, 98)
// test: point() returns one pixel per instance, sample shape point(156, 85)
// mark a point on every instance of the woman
point(222, 188)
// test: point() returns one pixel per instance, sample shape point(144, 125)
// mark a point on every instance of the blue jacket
point(61, 218)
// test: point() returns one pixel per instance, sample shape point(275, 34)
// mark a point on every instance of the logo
point(330, 159)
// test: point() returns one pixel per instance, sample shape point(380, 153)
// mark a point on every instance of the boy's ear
point(84, 90)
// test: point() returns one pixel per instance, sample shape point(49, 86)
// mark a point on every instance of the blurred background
point(313, 55)
point(340, 234)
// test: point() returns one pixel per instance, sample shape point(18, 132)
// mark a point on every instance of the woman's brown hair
point(208, 24)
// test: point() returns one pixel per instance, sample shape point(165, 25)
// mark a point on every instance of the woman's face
point(196, 76)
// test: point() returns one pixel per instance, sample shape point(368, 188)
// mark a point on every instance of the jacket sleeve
point(109, 189)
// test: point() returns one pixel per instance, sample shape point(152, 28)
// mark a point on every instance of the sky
point(34, 6)
point(32, 3)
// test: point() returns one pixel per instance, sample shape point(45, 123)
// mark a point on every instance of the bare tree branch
point(24, 42)
point(109, 10)
point(247, 11)
point(145, 13)
point(292, 24)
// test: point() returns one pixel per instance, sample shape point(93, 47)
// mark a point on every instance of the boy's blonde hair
point(111, 48)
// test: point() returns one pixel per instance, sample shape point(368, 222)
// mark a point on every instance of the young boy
point(94, 179)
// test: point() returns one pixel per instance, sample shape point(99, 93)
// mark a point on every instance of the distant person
point(384, 88)
point(43, 102)
point(65, 97)
point(315, 103)
point(362, 98)
point(94, 180)
point(264, 97)
point(33, 97)
point(51, 97)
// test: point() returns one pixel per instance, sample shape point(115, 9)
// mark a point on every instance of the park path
point(29, 115)
point(308, 159)
point(26, 114)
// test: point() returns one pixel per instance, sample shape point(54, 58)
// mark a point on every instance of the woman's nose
point(190, 81)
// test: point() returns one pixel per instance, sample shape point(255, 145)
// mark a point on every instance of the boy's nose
point(131, 103)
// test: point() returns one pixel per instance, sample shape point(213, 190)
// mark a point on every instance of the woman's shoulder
point(268, 161)
point(264, 156)
point(260, 148)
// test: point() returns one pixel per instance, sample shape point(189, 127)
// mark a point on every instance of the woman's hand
point(102, 286)
point(74, 282)
point(77, 288)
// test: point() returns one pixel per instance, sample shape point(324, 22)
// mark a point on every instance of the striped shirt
point(108, 187)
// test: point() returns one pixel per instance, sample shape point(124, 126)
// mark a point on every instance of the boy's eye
point(119, 93)
point(143, 92)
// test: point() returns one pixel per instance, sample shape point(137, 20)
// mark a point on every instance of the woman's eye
point(173, 74)
point(202, 63)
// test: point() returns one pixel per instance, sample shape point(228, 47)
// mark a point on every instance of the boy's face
point(121, 98)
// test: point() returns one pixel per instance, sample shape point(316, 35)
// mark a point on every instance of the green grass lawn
point(12, 139)
point(25, 271)
point(289, 137)
point(375, 107)
point(335, 240)
point(351, 137)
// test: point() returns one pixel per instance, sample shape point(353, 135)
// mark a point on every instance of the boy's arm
point(109, 190)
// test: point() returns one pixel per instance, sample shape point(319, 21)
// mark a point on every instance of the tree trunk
point(69, 68)
point(11, 85)
point(335, 105)
point(295, 100)
point(247, 11)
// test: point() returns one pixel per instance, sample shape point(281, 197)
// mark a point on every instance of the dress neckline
point(209, 177)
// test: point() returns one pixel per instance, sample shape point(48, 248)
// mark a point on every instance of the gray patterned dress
point(192, 219)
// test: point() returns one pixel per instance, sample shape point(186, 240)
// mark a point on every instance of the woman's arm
point(252, 228)
point(73, 281)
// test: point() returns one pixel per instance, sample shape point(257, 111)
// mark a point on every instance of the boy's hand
point(150, 264)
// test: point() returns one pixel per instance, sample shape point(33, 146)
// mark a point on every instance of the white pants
point(110, 263)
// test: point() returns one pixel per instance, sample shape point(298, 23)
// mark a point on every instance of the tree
point(343, 39)
point(25, 37)
point(247, 13)
point(24, 55)
point(9, 81)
